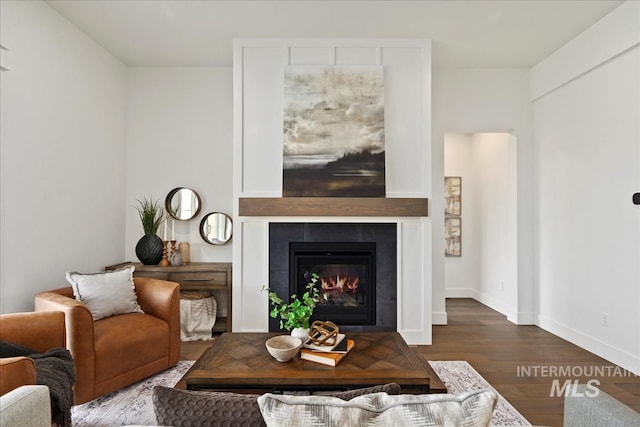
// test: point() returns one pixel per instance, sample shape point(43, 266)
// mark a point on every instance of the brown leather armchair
point(117, 351)
point(39, 331)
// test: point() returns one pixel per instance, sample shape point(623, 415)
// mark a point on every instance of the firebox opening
point(346, 279)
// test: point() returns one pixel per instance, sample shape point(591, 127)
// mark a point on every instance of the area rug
point(459, 377)
point(133, 405)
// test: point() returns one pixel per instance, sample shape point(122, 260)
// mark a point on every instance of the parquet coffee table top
point(240, 361)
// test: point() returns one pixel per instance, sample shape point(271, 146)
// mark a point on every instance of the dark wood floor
point(496, 348)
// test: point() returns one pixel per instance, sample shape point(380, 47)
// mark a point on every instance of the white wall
point(494, 187)
point(487, 269)
point(179, 134)
point(487, 100)
point(588, 166)
point(62, 150)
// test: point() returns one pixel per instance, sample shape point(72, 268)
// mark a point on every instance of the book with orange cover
point(326, 357)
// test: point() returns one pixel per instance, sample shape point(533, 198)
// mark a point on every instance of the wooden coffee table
point(240, 362)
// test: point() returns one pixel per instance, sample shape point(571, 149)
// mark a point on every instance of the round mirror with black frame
point(216, 228)
point(183, 203)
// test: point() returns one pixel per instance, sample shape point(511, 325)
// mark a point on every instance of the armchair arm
point(39, 331)
point(79, 334)
point(16, 372)
point(161, 298)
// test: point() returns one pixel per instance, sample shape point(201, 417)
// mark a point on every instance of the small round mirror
point(216, 228)
point(183, 203)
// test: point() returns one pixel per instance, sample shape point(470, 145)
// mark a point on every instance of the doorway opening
point(485, 265)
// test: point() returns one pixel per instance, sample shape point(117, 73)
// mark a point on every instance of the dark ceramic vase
point(149, 249)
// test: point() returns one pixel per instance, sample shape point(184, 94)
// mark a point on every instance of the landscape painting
point(333, 132)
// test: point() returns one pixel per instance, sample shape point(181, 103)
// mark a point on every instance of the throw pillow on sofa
point(106, 294)
point(471, 409)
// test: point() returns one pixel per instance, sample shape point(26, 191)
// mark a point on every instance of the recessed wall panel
point(357, 56)
point(310, 55)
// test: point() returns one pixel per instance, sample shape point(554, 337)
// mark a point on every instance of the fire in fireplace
point(347, 277)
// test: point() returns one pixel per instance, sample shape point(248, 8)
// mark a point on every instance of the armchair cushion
point(106, 294)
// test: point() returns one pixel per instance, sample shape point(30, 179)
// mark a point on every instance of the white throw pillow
point(106, 294)
point(471, 409)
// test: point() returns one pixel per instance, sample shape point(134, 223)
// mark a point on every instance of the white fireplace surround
point(258, 100)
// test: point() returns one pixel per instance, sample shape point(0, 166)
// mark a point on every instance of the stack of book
point(327, 355)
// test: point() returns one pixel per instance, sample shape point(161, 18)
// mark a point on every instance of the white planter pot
point(302, 333)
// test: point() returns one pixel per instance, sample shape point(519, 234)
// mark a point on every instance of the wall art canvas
point(452, 195)
point(334, 143)
point(453, 236)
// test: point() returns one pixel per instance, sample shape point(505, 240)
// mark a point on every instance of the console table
point(211, 276)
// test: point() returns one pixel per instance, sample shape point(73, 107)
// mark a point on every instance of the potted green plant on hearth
point(149, 247)
point(296, 314)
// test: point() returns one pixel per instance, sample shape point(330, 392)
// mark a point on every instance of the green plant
point(151, 214)
point(297, 312)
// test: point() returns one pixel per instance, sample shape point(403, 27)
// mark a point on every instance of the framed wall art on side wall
point(453, 236)
point(452, 195)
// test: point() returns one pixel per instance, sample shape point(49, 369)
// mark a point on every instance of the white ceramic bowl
point(283, 347)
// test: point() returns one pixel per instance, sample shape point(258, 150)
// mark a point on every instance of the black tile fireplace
point(357, 265)
point(347, 279)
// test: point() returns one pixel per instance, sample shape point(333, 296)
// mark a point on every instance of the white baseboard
point(460, 293)
point(439, 318)
point(611, 353)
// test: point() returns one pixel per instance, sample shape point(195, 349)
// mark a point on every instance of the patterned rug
point(460, 377)
point(133, 406)
point(128, 406)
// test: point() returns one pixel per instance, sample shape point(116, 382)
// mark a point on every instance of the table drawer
point(153, 274)
point(200, 278)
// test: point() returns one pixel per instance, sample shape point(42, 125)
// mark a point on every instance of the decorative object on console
point(175, 258)
point(183, 204)
point(283, 347)
point(164, 262)
point(106, 294)
point(296, 313)
point(149, 247)
point(185, 251)
point(334, 132)
point(216, 228)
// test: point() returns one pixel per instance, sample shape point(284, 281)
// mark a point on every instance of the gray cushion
point(186, 408)
point(181, 408)
point(106, 294)
point(472, 409)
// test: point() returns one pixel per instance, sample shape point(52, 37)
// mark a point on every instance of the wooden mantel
point(333, 206)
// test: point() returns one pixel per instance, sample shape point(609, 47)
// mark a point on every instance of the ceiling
point(465, 33)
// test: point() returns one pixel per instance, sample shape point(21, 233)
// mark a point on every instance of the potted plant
point(296, 314)
point(149, 247)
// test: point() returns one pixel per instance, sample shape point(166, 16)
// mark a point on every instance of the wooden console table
point(211, 276)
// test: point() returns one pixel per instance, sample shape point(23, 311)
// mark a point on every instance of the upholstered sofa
point(378, 405)
point(26, 406)
point(116, 351)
